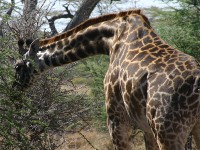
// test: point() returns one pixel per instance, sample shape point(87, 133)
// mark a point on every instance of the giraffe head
point(26, 68)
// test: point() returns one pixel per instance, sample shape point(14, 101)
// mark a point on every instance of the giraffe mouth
point(23, 75)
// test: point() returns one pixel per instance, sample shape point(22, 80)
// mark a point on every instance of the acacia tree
point(31, 121)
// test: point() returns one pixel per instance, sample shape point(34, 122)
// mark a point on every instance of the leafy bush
point(46, 110)
point(94, 70)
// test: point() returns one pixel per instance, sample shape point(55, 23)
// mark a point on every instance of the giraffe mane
point(92, 21)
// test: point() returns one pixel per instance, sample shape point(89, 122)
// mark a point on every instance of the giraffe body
point(149, 85)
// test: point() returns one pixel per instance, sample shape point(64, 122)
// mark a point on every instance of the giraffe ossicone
point(148, 85)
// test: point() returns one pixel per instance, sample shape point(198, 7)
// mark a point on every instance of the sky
point(115, 7)
point(123, 3)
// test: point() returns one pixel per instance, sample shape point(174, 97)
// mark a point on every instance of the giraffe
point(148, 85)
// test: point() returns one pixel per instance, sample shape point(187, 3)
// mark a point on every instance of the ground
point(94, 140)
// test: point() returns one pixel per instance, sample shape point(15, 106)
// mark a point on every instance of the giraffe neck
point(95, 36)
point(92, 41)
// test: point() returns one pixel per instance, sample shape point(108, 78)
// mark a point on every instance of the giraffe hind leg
point(196, 134)
point(169, 134)
point(150, 142)
point(167, 141)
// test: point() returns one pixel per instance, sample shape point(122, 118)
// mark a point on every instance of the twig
point(88, 141)
point(67, 10)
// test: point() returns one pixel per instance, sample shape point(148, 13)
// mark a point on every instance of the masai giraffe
point(148, 85)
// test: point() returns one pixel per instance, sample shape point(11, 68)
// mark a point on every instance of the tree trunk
point(29, 6)
point(82, 13)
point(8, 13)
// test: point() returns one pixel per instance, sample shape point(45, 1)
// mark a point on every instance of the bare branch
point(67, 9)
point(52, 20)
point(87, 140)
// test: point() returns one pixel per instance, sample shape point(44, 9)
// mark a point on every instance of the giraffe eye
point(17, 68)
point(28, 64)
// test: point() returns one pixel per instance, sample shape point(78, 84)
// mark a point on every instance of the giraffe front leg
point(119, 127)
point(119, 132)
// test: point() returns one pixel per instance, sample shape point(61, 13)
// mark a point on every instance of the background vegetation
point(70, 99)
point(181, 26)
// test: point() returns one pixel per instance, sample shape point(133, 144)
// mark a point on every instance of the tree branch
point(29, 7)
point(67, 10)
point(87, 141)
point(52, 20)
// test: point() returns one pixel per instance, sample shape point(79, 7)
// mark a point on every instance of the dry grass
point(98, 141)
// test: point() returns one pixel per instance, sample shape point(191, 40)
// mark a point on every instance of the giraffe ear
point(21, 48)
point(34, 48)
